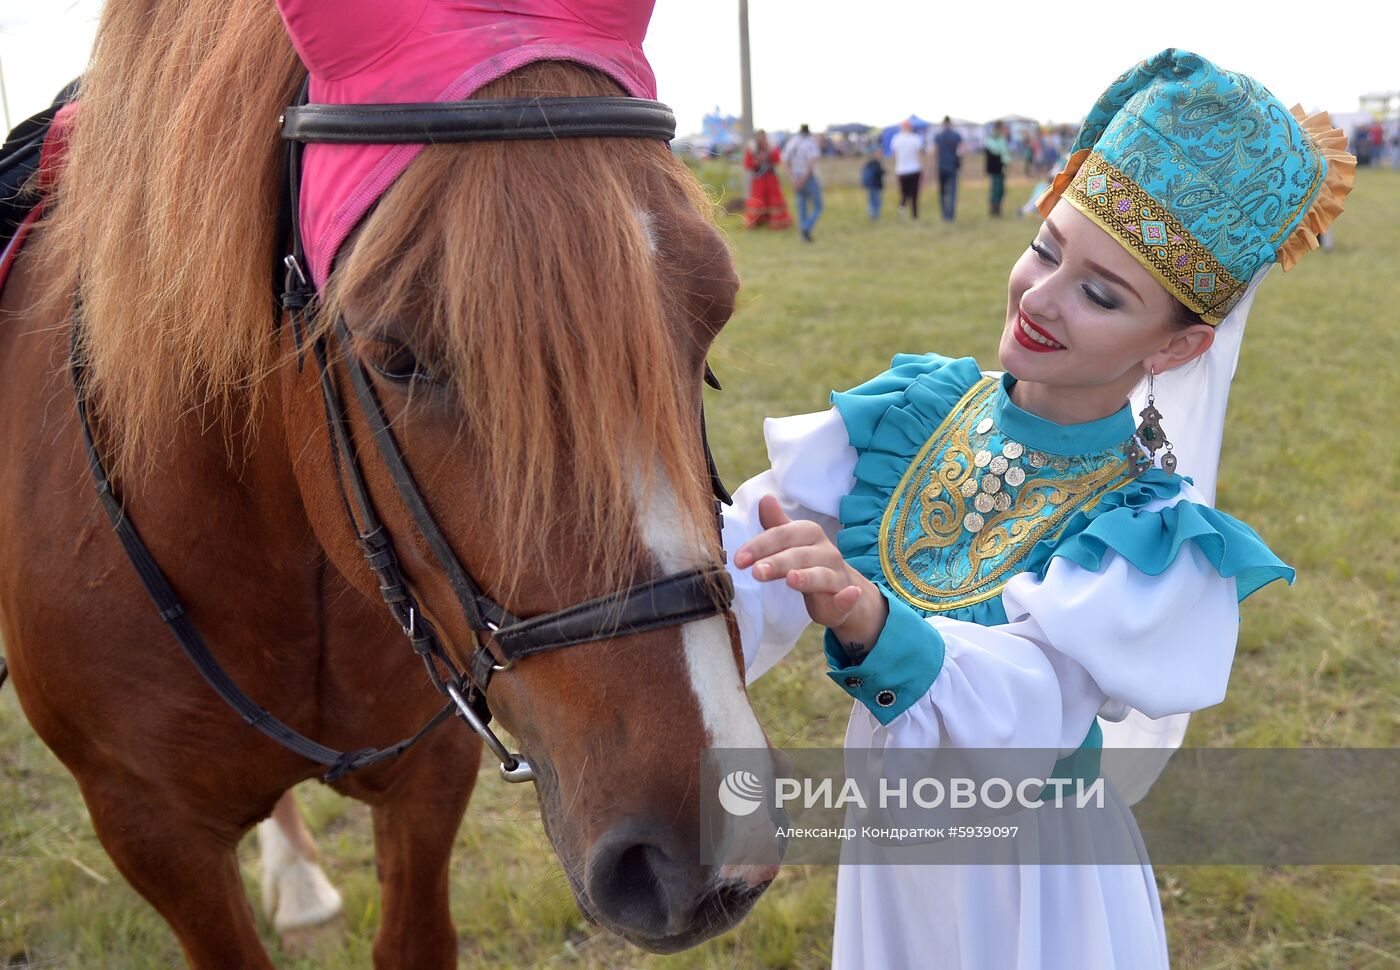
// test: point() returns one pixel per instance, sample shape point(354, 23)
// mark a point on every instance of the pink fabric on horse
point(388, 51)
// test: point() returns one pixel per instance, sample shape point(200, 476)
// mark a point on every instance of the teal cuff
point(1082, 766)
point(899, 669)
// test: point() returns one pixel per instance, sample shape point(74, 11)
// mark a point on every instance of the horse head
point(531, 319)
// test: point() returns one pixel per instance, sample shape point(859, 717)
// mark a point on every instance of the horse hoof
point(305, 898)
point(295, 891)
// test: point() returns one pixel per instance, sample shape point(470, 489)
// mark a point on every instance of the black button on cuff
point(885, 698)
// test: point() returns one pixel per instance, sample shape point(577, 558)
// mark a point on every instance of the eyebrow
point(1106, 274)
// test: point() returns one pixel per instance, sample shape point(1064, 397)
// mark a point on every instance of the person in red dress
point(765, 204)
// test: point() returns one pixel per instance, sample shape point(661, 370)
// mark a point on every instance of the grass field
point(1310, 460)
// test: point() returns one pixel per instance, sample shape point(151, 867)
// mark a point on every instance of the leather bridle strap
point(172, 611)
point(483, 613)
point(655, 604)
point(517, 119)
point(669, 601)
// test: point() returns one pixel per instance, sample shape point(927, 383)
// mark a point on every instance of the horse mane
point(167, 209)
point(552, 325)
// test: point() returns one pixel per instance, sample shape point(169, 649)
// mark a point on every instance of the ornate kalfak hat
point(1204, 177)
point(409, 51)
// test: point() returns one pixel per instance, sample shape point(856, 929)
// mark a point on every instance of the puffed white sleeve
point(812, 465)
point(1076, 641)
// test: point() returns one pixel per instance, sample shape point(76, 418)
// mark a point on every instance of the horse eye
point(395, 361)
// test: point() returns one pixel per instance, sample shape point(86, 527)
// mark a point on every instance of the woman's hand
point(837, 596)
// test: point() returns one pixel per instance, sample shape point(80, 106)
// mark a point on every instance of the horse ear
point(337, 38)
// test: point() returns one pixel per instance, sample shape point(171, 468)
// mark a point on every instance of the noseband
point(655, 604)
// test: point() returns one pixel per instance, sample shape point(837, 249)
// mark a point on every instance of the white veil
point(1192, 399)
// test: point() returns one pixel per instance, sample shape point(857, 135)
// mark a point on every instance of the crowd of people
point(938, 151)
point(1377, 143)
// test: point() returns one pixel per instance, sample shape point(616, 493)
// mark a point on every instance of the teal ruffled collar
point(1067, 440)
point(890, 418)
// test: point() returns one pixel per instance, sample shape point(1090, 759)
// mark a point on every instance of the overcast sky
point(876, 61)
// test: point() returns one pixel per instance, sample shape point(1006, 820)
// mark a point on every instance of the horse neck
point(229, 481)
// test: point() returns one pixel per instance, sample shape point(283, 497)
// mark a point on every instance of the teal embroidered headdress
point(1204, 177)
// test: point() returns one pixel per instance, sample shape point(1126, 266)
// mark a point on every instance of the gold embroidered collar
point(988, 485)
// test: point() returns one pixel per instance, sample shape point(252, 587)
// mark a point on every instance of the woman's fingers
point(829, 594)
point(780, 563)
point(770, 512)
point(799, 556)
point(847, 599)
point(775, 539)
point(819, 580)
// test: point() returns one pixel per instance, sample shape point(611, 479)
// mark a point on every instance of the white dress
point(1066, 644)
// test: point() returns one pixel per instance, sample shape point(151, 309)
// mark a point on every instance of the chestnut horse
point(536, 317)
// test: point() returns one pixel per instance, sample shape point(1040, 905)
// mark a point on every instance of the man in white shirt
point(800, 155)
point(907, 147)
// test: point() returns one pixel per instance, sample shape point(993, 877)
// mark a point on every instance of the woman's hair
point(1185, 316)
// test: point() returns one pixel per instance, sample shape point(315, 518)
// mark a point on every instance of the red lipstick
point(1034, 337)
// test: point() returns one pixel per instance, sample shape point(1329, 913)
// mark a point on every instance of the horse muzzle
point(641, 882)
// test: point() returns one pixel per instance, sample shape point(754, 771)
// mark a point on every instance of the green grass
point(1310, 461)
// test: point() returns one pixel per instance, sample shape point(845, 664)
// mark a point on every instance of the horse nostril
point(636, 885)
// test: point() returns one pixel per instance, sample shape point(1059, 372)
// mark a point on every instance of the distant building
point(722, 131)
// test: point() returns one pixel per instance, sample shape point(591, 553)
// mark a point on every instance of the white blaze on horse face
point(714, 675)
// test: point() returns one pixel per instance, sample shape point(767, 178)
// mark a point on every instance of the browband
point(464, 121)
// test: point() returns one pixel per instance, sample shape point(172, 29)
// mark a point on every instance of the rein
point(655, 604)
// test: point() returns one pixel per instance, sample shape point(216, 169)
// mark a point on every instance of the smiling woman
point(1006, 561)
point(1084, 321)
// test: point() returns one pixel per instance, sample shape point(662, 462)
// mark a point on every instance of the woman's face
point(1086, 320)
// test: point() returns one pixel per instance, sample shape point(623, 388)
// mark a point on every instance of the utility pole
point(745, 87)
point(4, 102)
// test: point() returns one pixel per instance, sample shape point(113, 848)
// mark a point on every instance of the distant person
point(872, 179)
point(765, 205)
point(948, 144)
point(907, 147)
point(800, 155)
point(998, 158)
point(1029, 209)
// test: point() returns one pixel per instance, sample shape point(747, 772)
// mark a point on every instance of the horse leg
point(295, 891)
point(186, 869)
point(413, 836)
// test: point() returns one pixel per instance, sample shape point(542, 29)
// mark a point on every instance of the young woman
point(765, 205)
point(1001, 560)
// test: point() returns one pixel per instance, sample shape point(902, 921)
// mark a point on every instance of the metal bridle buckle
point(294, 266)
point(514, 768)
point(495, 667)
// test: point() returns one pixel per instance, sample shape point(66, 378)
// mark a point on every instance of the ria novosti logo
point(740, 793)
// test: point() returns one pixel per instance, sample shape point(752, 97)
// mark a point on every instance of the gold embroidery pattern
point(926, 553)
point(1160, 242)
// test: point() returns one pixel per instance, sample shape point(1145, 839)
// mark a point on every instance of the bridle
point(655, 604)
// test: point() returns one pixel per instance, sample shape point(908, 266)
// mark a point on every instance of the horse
point(534, 317)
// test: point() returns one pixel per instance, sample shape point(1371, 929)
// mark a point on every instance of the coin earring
point(1149, 435)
